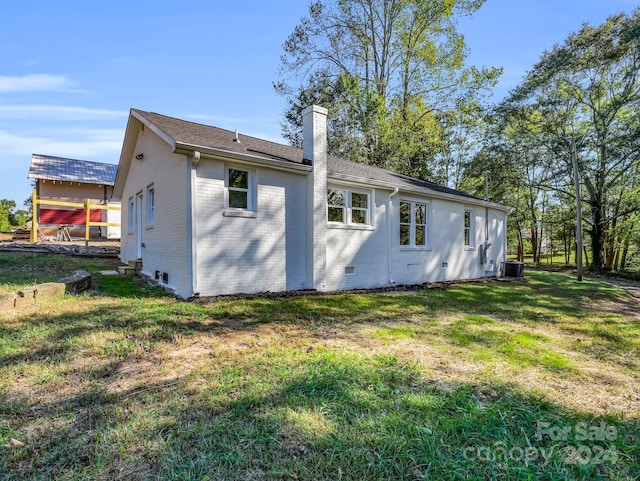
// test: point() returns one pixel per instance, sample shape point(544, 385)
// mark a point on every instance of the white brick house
point(210, 212)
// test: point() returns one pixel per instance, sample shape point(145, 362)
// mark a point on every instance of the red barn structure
point(70, 180)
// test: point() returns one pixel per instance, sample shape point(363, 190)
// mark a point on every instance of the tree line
point(10, 216)
point(394, 76)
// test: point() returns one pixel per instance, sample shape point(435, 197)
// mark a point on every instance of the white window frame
point(131, 215)
point(470, 229)
point(412, 224)
point(348, 208)
point(251, 190)
point(150, 210)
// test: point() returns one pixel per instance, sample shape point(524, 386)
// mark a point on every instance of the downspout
point(192, 220)
point(486, 224)
point(389, 247)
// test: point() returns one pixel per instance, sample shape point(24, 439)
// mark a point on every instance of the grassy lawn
point(19, 270)
point(536, 380)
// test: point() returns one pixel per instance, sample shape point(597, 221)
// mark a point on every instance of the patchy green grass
point(535, 380)
point(20, 270)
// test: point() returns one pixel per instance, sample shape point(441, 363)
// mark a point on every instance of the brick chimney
point(314, 151)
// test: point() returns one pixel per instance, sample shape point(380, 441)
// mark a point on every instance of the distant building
point(71, 180)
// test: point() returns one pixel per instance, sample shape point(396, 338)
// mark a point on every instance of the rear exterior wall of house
point(154, 213)
point(258, 249)
point(369, 256)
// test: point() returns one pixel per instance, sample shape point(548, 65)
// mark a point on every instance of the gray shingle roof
point(71, 170)
point(205, 136)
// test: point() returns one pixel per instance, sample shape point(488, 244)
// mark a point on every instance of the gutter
point(389, 245)
point(188, 149)
point(192, 221)
point(434, 194)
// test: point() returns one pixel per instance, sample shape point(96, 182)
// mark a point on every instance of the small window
point(346, 207)
point(150, 204)
point(130, 215)
point(468, 228)
point(413, 224)
point(240, 189)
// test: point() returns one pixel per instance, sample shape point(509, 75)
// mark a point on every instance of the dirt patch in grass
point(351, 386)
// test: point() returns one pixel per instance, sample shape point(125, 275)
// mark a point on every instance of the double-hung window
point(240, 189)
point(413, 224)
point(348, 207)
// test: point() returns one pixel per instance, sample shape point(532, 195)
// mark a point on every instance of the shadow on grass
point(139, 323)
point(318, 415)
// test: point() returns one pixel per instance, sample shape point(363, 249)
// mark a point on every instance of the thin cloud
point(58, 112)
point(86, 144)
point(35, 82)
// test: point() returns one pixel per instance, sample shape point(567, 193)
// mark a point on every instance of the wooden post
point(88, 222)
point(34, 219)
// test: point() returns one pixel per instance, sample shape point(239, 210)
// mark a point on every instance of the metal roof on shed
point(71, 170)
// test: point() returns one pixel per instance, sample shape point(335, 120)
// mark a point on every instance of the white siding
point(356, 255)
point(447, 258)
point(165, 243)
point(270, 251)
point(238, 254)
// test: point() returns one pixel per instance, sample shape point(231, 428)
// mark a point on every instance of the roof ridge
point(74, 160)
point(219, 128)
point(180, 128)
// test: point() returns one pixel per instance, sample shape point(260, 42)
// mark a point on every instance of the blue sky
point(71, 70)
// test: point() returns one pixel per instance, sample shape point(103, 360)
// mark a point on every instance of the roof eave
point(184, 148)
point(417, 190)
point(128, 144)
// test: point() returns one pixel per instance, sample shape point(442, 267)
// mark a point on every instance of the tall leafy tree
point(6, 214)
point(586, 93)
point(388, 71)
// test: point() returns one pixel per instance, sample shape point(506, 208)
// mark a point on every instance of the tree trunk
point(610, 251)
point(586, 256)
point(520, 244)
point(597, 236)
point(625, 251)
point(534, 243)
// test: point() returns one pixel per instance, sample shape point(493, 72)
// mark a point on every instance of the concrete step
point(136, 264)
point(126, 270)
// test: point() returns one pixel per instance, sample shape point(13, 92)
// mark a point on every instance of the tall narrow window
point(413, 224)
point(405, 223)
point(130, 215)
point(467, 228)
point(420, 211)
point(151, 200)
